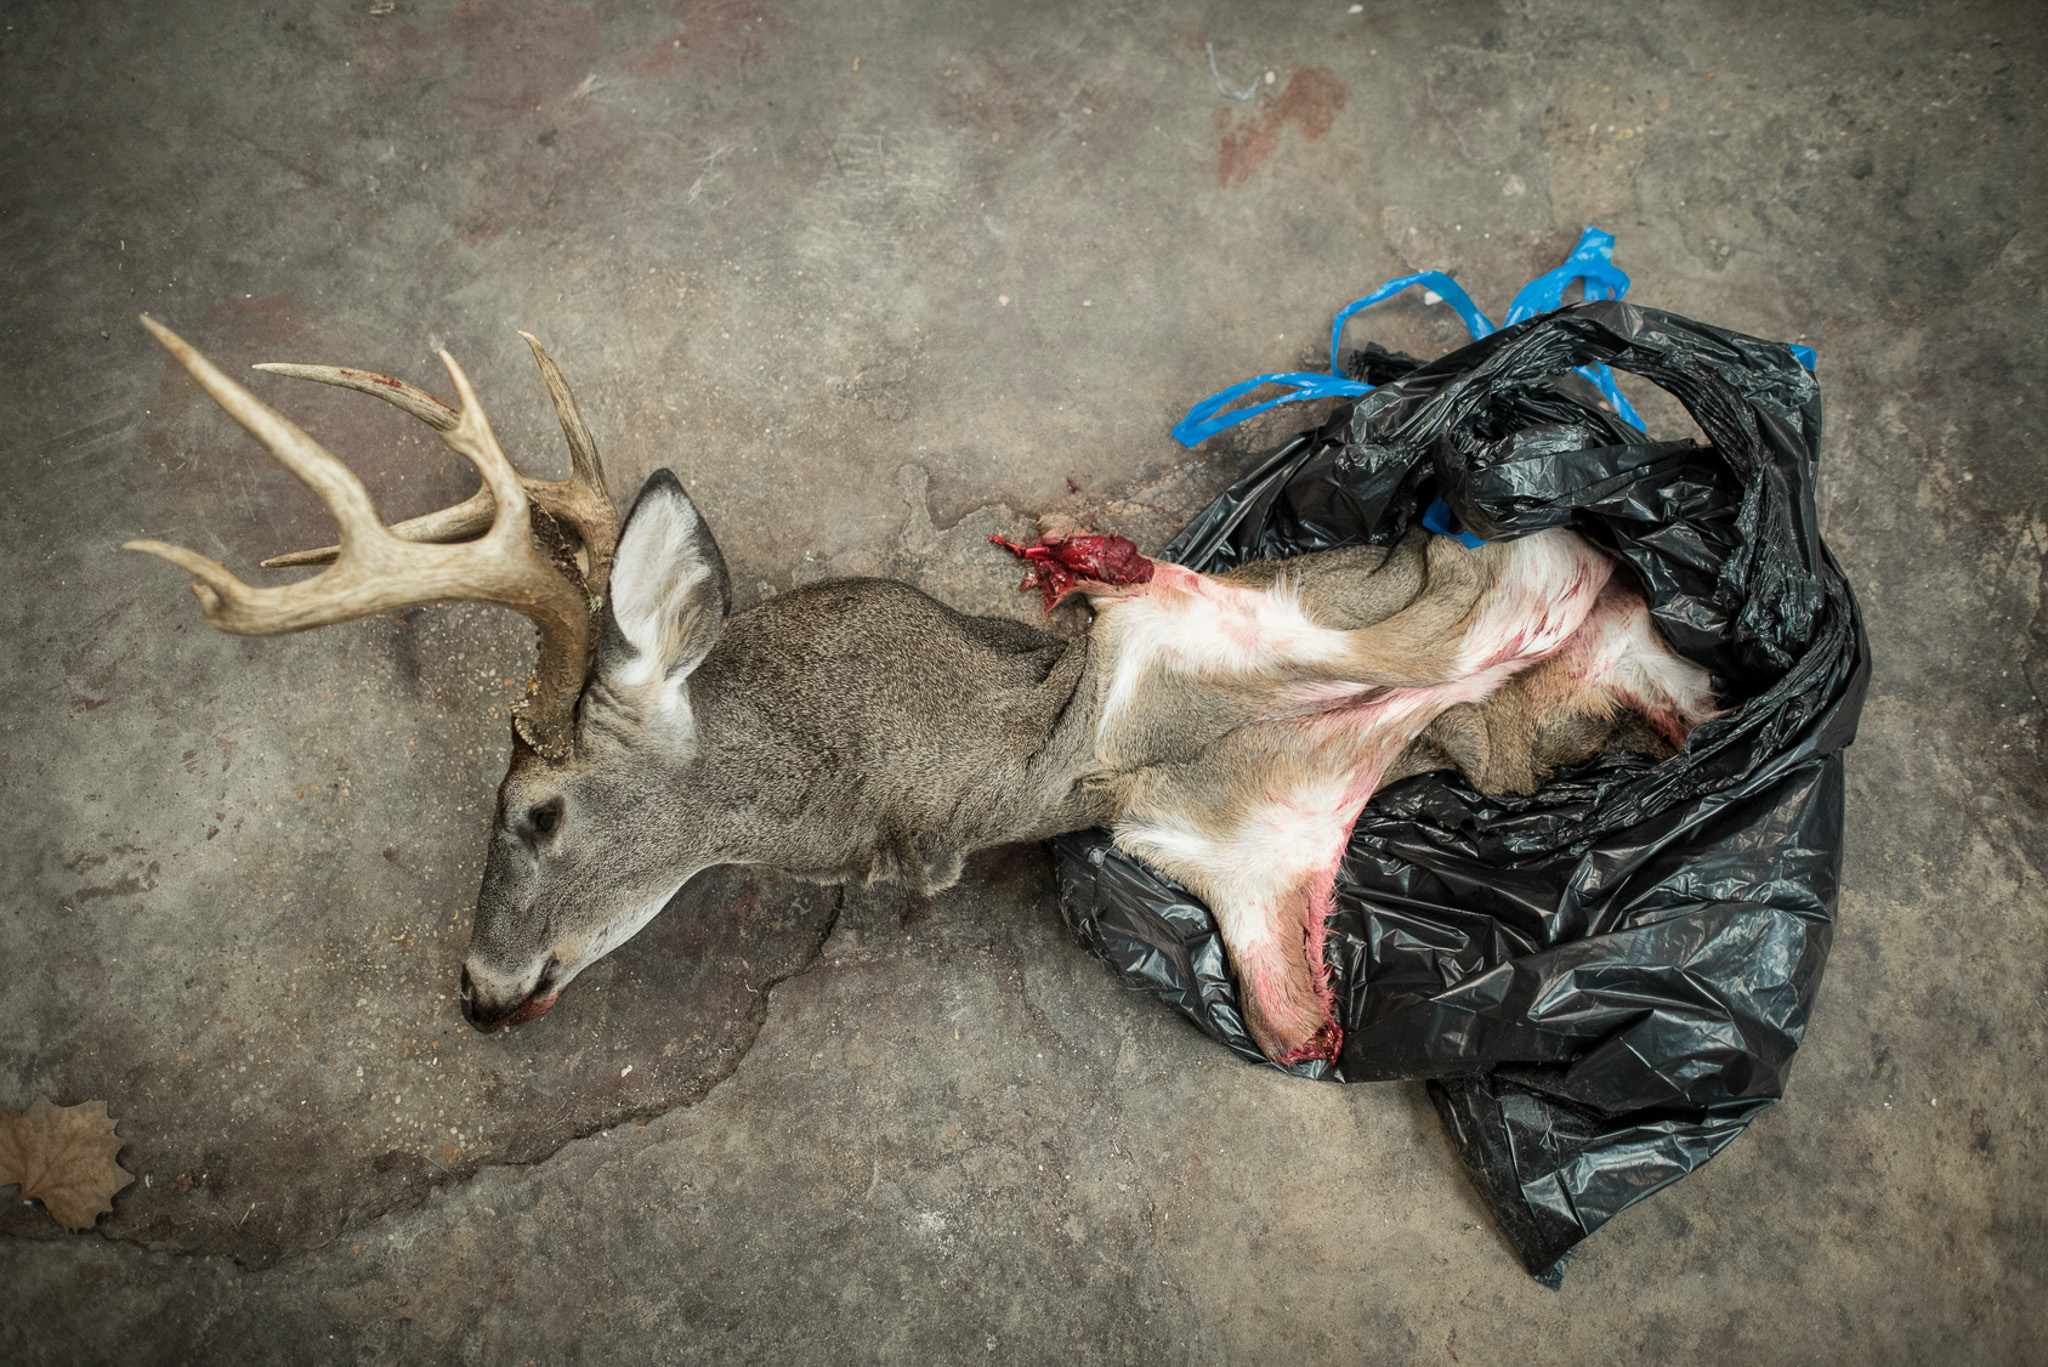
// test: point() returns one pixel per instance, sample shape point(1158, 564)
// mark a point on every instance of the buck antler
point(579, 505)
point(524, 560)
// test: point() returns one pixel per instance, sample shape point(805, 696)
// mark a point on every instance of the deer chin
point(532, 1009)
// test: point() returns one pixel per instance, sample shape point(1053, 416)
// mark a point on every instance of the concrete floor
point(877, 280)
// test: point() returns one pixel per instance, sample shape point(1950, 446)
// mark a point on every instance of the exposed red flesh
point(1322, 1046)
point(1060, 563)
point(1329, 1037)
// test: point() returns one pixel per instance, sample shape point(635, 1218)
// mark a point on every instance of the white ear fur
point(667, 590)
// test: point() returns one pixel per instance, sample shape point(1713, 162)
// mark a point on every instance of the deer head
point(588, 845)
point(605, 727)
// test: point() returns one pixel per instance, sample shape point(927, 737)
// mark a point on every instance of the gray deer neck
point(858, 729)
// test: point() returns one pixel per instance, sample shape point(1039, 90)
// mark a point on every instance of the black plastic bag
point(1605, 981)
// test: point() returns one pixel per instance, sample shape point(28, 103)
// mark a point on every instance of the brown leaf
point(63, 1156)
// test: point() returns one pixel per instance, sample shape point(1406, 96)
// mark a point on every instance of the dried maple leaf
point(63, 1156)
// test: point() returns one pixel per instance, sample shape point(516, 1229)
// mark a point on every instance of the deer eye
point(542, 819)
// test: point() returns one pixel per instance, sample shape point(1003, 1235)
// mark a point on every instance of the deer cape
point(1226, 729)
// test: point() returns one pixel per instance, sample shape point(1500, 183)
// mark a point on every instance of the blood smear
point(1058, 564)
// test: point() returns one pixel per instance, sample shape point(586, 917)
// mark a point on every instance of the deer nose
point(486, 1008)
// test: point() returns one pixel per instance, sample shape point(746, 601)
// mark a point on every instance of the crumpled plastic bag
point(1605, 981)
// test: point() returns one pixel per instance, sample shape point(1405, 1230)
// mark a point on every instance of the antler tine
point(220, 584)
point(340, 490)
point(397, 393)
point(457, 523)
point(583, 458)
point(537, 587)
point(376, 571)
point(582, 501)
point(472, 436)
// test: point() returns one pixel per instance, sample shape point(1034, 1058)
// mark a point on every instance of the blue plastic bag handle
point(1452, 293)
point(1591, 261)
point(1202, 421)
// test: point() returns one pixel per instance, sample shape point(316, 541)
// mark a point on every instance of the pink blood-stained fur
point(1619, 652)
point(1060, 564)
point(1238, 628)
point(1546, 594)
point(1612, 647)
point(1319, 903)
point(1266, 969)
point(1273, 873)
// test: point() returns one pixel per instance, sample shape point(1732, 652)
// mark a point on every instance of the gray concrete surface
point(877, 280)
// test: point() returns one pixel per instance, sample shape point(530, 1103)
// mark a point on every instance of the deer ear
point(669, 591)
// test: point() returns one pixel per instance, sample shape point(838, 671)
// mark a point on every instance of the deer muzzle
point(490, 1014)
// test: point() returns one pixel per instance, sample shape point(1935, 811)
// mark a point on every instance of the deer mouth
point(532, 1009)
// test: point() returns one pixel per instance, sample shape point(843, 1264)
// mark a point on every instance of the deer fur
point(1227, 729)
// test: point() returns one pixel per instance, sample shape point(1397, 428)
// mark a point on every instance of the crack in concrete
point(694, 1095)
